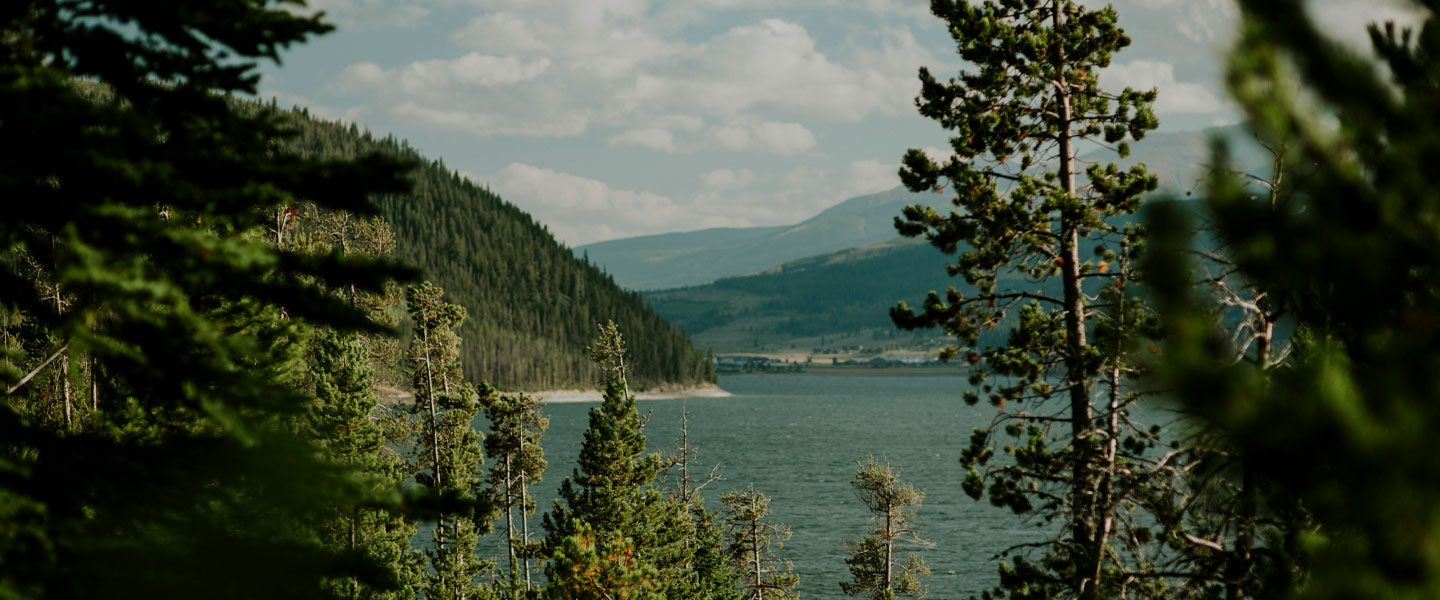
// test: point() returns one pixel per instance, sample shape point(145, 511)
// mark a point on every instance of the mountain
point(533, 305)
point(832, 300)
point(671, 260)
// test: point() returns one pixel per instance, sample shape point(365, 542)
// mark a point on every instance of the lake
point(797, 438)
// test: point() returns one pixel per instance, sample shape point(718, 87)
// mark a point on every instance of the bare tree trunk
point(684, 456)
point(510, 516)
point(434, 437)
point(1082, 526)
point(889, 547)
point(1106, 502)
point(524, 517)
point(65, 385)
point(64, 368)
point(94, 389)
point(1238, 570)
point(755, 545)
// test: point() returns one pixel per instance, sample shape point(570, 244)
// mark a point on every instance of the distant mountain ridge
point(839, 298)
point(673, 260)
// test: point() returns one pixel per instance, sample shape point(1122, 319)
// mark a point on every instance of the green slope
point(533, 304)
point(832, 300)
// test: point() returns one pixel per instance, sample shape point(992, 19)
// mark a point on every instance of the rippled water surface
point(798, 437)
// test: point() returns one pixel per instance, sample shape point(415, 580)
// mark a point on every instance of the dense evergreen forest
point(532, 303)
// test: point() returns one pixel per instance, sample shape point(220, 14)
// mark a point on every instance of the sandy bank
point(708, 390)
point(393, 396)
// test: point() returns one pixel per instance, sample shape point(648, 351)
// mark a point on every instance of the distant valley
point(831, 302)
point(673, 260)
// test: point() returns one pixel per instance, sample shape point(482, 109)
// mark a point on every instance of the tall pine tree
point(611, 491)
point(145, 204)
point(516, 425)
point(750, 543)
point(875, 569)
point(1042, 248)
point(450, 454)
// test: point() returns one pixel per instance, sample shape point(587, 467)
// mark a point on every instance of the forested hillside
point(835, 299)
point(533, 305)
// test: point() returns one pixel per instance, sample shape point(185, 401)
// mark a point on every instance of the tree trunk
point(64, 368)
point(94, 389)
point(434, 438)
point(755, 545)
point(1082, 525)
point(510, 516)
point(524, 516)
point(889, 549)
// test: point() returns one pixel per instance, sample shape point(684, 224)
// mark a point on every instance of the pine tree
point(611, 491)
point(516, 425)
point(715, 575)
point(712, 578)
point(341, 424)
point(450, 451)
point(873, 562)
point(751, 541)
point(1023, 224)
point(591, 565)
point(613, 470)
point(1345, 428)
point(145, 197)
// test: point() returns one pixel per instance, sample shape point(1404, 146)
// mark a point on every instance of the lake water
point(797, 438)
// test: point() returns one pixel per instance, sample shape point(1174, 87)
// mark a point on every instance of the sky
point(614, 118)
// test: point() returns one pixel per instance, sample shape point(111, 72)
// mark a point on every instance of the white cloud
point(769, 136)
point(613, 63)
point(870, 176)
point(652, 137)
point(1346, 20)
point(681, 122)
point(734, 137)
point(369, 14)
point(430, 76)
point(1203, 21)
point(937, 155)
point(805, 176)
point(580, 210)
point(772, 67)
point(1176, 97)
point(727, 179)
point(1214, 21)
point(784, 138)
point(444, 94)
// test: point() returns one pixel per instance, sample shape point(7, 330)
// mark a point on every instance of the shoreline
point(708, 390)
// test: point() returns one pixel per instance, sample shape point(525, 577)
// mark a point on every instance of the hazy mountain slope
point(697, 257)
point(532, 304)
